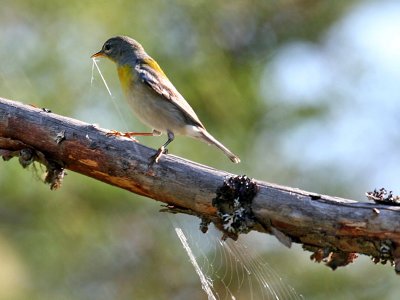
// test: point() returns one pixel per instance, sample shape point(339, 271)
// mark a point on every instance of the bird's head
point(121, 50)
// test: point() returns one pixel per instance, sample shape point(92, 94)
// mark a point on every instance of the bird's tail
point(205, 136)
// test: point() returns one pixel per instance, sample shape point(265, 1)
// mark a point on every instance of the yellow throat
point(125, 74)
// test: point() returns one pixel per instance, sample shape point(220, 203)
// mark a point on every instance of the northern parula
point(153, 98)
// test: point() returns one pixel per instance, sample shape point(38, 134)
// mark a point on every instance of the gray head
point(121, 50)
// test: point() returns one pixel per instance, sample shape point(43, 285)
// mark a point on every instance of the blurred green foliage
point(92, 241)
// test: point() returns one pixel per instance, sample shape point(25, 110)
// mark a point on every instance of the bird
point(153, 98)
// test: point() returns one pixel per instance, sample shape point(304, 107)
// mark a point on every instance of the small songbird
point(153, 98)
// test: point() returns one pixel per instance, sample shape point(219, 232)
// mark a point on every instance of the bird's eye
point(107, 47)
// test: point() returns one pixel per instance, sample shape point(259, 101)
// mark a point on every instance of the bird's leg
point(131, 135)
point(163, 149)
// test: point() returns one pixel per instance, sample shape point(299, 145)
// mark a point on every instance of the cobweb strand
point(108, 90)
point(229, 270)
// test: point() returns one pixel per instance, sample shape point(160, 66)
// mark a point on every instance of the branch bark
point(335, 229)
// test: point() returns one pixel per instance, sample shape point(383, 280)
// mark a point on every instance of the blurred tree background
point(305, 92)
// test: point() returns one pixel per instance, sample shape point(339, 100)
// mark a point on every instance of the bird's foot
point(156, 157)
point(129, 135)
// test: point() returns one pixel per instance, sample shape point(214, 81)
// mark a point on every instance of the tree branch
point(333, 228)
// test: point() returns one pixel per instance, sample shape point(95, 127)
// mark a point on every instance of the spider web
point(229, 269)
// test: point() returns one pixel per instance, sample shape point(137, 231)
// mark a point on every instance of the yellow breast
point(126, 76)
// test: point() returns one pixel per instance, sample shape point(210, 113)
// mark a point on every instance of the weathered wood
point(321, 223)
point(87, 149)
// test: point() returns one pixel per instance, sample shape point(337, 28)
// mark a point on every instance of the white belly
point(156, 111)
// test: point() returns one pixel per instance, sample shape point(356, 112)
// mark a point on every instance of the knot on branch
point(382, 196)
point(27, 156)
point(332, 258)
point(386, 250)
point(233, 203)
point(54, 174)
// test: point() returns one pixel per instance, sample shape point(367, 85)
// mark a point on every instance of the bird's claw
point(156, 157)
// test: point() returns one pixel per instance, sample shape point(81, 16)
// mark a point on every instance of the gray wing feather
point(162, 86)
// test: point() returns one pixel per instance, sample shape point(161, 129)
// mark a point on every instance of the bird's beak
point(98, 54)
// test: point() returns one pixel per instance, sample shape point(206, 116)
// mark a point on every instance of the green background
point(305, 92)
